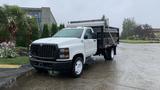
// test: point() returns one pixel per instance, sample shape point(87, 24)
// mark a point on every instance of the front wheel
point(77, 68)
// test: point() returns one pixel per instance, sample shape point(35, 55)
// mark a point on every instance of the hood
point(59, 41)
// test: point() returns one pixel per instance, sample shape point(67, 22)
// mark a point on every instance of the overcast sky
point(144, 11)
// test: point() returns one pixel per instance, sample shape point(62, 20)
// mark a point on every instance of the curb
point(9, 66)
point(24, 71)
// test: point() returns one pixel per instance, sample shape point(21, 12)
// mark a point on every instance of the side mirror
point(85, 37)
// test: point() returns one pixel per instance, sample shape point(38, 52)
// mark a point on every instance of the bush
point(130, 38)
point(22, 51)
point(7, 50)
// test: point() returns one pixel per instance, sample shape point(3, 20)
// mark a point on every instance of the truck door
point(90, 43)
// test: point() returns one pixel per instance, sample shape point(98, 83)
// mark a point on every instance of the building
point(43, 15)
point(156, 32)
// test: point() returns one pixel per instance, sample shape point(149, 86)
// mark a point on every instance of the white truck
point(72, 47)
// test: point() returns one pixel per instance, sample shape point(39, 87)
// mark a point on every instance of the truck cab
point(67, 50)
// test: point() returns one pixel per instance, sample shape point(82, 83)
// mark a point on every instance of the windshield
point(75, 33)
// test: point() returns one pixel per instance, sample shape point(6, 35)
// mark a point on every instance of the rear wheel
point(109, 54)
point(77, 68)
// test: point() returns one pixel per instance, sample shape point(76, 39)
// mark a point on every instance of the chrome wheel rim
point(78, 67)
point(112, 54)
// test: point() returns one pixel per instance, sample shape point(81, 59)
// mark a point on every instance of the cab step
point(90, 60)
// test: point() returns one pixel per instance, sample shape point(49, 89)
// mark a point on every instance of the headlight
point(64, 53)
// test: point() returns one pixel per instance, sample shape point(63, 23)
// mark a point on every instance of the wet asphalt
point(135, 67)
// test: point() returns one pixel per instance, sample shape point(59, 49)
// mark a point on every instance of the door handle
point(94, 40)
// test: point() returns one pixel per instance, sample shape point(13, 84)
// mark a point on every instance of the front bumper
point(51, 65)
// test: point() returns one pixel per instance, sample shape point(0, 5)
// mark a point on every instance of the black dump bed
point(106, 36)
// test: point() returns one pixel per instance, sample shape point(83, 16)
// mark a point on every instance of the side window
point(89, 34)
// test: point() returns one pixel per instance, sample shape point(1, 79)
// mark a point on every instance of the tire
point(115, 50)
point(77, 67)
point(109, 54)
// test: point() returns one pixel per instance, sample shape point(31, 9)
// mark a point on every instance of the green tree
point(128, 27)
point(45, 32)
point(25, 36)
point(34, 29)
point(61, 26)
point(10, 18)
point(21, 36)
point(54, 29)
point(4, 33)
point(17, 26)
point(144, 32)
